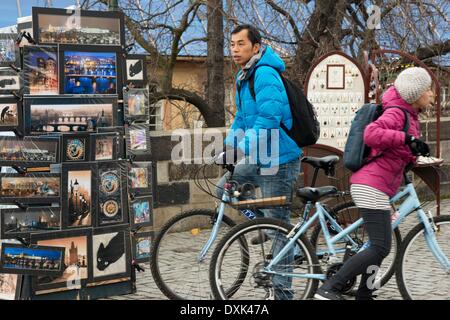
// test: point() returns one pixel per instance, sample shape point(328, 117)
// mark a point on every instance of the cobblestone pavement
point(147, 289)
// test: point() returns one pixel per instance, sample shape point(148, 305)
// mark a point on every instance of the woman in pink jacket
point(371, 186)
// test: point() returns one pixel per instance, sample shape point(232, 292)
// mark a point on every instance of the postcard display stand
point(337, 88)
point(77, 182)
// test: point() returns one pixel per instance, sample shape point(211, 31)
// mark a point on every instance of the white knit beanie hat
point(411, 83)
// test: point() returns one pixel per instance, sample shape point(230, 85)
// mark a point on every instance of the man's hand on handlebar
point(230, 156)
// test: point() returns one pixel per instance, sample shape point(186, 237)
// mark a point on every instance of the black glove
point(417, 146)
point(230, 156)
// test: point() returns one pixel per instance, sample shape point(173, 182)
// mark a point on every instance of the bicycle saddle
point(314, 194)
point(327, 163)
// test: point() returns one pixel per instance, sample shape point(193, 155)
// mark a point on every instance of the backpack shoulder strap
point(251, 81)
point(251, 84)
point(407, 123)
point(405, 129)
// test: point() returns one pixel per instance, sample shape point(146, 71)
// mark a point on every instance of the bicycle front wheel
point(419, 275)
point(256, 284)
point(174, 265)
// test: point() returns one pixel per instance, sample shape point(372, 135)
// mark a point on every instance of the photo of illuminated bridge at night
point(90, 72)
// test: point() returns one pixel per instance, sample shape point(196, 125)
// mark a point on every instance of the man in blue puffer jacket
point(266, 156)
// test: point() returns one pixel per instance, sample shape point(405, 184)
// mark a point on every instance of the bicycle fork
point(430, 237)
point(221, 211)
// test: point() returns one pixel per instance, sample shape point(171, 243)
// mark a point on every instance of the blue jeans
point(280, 183)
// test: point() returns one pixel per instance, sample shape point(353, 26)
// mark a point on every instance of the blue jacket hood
point(271, 59)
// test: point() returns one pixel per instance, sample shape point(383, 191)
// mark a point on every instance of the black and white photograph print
point(110, 256)
point(135, 70)
point(9, 81)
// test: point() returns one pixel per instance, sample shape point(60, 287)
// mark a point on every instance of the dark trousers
point(377, 223)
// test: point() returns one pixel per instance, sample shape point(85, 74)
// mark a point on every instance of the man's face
point(242, 49)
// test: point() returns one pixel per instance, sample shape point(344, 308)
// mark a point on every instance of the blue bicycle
point(182, 248)
point(422, 265)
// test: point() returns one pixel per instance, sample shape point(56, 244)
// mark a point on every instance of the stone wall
point(176, 190)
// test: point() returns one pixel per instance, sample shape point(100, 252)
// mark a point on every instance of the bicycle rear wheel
point(419, 275)
point(256, 284)
point(173, 263)
point(345, 214)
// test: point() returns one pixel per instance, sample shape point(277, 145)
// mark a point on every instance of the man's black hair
point(253, 34)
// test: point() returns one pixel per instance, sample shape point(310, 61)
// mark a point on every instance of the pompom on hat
point(412, 83)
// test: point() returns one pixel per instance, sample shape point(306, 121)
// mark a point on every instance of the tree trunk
point(323, 35)
point(215, 87)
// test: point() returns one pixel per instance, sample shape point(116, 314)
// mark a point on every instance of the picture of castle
point(75, 259)
point(78, 30)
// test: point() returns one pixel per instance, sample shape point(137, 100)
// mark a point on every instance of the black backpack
point(356, 152)
point(305, 129)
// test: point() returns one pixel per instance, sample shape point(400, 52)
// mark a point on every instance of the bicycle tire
point(155, 250)
point(334, 212)
point(235, 234)
point(411, 236)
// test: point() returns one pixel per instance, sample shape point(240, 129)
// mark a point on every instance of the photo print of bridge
point(32, 260)
point(39, 186)
point(90, 72)
point(30, 150)
point(19, 222)
point(70, 118)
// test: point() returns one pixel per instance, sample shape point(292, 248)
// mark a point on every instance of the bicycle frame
point(226, 198)
point(409, 205)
